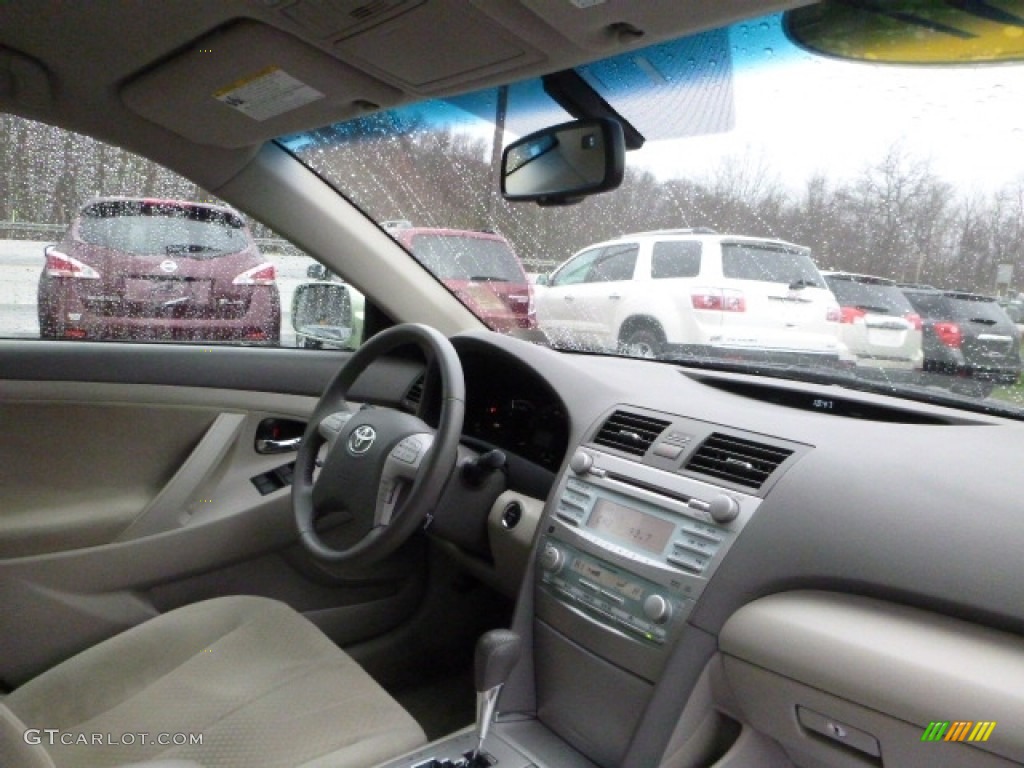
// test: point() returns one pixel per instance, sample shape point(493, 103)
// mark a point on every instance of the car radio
point(631, 547)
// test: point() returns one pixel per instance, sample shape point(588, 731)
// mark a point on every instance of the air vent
point(630, 432)
point(369, 10)
point(736, 460)
point(414, 394)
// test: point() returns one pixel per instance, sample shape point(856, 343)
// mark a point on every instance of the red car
point(142, 269)
point(480, 268)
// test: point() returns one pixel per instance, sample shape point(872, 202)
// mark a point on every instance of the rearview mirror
point(564, 163)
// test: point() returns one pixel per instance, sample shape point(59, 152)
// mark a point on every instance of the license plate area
point(167, 292)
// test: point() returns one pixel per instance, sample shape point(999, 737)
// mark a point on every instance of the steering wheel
point(384, 469)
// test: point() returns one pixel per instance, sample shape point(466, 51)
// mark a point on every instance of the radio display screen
point(631, 525)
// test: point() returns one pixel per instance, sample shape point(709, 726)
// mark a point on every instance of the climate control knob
point(657, 609)
point(723, 509)
point(551, 558)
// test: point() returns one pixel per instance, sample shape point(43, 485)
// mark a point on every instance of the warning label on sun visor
point(267, 94)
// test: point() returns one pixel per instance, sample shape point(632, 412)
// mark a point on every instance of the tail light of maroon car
point(261, 274)
point(59, 264)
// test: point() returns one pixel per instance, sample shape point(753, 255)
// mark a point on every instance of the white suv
point(694, 293)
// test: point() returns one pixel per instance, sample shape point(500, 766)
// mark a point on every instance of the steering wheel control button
point(336, 421)
point(408, 450)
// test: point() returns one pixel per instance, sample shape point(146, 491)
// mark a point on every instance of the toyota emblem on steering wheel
point(361, 439)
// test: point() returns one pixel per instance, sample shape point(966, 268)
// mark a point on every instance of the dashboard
point(743, 530)
point(714, 569)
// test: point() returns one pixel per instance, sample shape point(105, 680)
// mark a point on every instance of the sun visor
point(24, 82)
point(248, 83)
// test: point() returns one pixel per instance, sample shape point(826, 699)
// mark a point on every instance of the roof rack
point(687, 231)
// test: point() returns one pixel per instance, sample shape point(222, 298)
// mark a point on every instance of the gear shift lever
point(497, 652)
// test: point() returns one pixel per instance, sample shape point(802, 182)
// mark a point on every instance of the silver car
point(877, 323)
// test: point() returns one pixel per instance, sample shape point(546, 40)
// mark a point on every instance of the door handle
point(614, 295)
point(568, 297)
point(279, 435)
point(278, 446)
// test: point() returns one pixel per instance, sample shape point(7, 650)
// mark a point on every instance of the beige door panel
point(109, 489)
point(87, 464)
point(77, 474)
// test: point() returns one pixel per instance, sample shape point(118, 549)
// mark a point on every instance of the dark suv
point(967, 336)
point(146, 269)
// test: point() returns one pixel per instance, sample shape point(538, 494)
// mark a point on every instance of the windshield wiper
point(488, 279)
point(803, 283)
point(870, 308)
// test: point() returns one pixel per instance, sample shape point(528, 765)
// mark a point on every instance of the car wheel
point(643, 342)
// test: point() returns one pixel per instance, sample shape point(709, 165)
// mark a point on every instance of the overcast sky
point(805, 114)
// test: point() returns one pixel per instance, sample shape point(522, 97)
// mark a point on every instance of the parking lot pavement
point(20, 264)
point(22, 260)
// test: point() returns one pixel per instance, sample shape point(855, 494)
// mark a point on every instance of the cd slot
point(660, 492)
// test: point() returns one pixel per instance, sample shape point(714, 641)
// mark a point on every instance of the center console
point(640, 519)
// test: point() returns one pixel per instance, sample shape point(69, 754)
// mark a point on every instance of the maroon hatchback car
point(142, 269)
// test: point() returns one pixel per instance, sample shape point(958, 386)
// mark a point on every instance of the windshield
point(762, 165)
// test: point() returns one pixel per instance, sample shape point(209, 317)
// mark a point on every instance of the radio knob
point(581, 462)
point(551, 558)
point(723, 509)
point(657, 609)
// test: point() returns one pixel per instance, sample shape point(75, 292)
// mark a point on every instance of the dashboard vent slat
point(737, 460)
point(414, 394)
point(630, 432)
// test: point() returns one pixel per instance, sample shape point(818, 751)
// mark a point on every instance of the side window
point(116, 248)
point(575, 271)
point(675, 258)
point(616, 263)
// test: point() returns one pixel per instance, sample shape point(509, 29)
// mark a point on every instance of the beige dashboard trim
point(905, 662)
